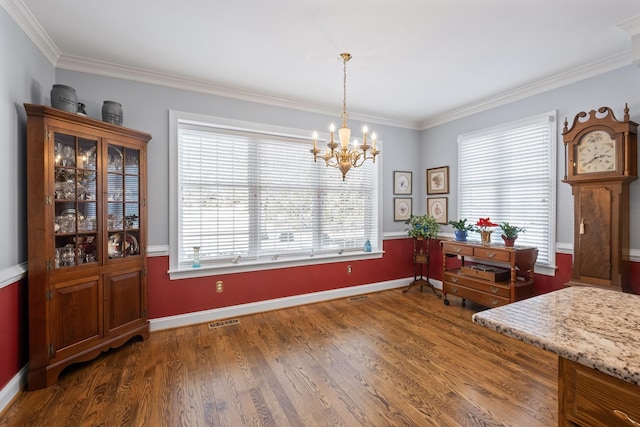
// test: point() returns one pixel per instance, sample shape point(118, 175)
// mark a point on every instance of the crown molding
point(32, 28)
point(85, 65)
point(593, 69)
point(631, 26)
point(27, 22)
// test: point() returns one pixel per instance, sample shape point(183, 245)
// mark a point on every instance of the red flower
point(484, 224)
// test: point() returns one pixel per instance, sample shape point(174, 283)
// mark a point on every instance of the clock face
point(596, 152)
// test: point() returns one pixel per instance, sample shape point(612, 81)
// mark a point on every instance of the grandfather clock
point(601, 161)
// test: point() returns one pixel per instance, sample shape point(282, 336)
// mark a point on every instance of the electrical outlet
point(219, 286)
point(349, 270)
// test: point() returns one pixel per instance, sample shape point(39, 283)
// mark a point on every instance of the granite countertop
point(594, 327)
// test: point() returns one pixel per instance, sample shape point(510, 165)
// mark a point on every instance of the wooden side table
point(421, 265)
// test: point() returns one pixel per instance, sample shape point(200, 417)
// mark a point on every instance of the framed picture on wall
point(438, 180)
point(402, 208)
point(437, 208)
point(402, 182)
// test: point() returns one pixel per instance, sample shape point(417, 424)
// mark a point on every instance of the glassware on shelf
point(114, 222)
point(67, 220)
point(64, 155)
point(114, 159)
point(119, 247)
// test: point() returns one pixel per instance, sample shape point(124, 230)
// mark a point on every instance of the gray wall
point(612, 89)
point(146, 108)
point(26, 76)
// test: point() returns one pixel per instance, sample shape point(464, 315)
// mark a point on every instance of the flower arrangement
point(484, 224)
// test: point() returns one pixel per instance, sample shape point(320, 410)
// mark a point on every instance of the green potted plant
point(462, 228)
point(510, 233)
point(422, 227)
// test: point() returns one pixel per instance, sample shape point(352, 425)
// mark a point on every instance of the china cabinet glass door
point(123, 201)
point(76, 201)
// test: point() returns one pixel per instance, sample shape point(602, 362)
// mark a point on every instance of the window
point(250, 194)
point(508, 173)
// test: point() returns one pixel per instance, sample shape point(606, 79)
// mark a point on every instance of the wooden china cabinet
point(87, 238)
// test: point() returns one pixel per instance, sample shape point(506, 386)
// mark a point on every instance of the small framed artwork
point(438, 180)
point(402, 182)
point(402, 208)
point(437, 208)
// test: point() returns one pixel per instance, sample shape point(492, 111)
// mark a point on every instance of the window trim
point(177, 272)
point(550, 268)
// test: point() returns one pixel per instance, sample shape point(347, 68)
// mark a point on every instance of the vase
point(485, 236)
point(196, 257)
point(64, 98)
point(461, 235)
point(509, 242)
point(112, 112)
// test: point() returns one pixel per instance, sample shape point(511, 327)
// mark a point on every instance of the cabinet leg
point(446, 301)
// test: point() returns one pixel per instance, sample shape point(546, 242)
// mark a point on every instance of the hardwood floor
point(387, 359)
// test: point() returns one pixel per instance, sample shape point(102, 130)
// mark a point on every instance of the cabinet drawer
point(475, 295)
point(590, 397)
point(452, 248)
point(492, 254)
point(478, 284)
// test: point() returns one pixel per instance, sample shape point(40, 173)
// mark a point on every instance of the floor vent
point(359, 298)
point(223, 323)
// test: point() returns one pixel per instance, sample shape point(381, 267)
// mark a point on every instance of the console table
point(596, 334)
point(489, 285)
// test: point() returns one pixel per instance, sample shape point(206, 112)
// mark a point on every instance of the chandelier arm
point(357, 156)
point(332, 161)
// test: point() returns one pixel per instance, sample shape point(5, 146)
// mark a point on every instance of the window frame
point(547, 268)
point(176, 271)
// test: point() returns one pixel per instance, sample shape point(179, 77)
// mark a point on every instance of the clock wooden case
point(601, 161)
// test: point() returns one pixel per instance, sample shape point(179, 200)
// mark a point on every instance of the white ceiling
point(415, 62)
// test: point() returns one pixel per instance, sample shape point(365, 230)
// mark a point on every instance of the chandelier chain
point(344, 91)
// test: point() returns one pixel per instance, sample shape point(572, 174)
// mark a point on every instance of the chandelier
point(343, 156)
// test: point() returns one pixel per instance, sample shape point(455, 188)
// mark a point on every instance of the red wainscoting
point(171, 297)
point(635, 277)
point(564, 263)
point(167, 297)
point(13, 330)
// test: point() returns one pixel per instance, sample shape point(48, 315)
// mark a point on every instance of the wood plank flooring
point(388, 359)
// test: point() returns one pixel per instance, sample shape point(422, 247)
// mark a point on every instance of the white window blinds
point(508, 173)
point(247, 196)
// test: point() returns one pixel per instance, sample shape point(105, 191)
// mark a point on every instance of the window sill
point(247, 266)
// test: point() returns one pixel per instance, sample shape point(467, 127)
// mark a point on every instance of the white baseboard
point(13, 387)
point(268, 305)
